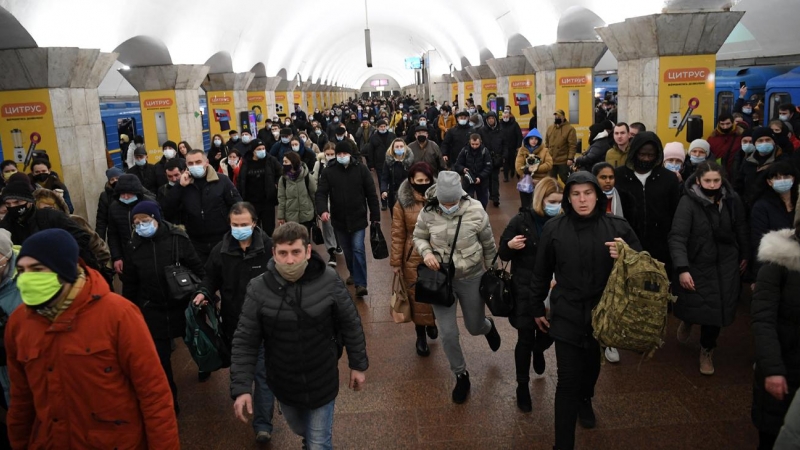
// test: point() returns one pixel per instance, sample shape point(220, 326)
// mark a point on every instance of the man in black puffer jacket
point(475, 160)
point(103, 203)
point(494, 139)
point(457, 137)
point(299, 312)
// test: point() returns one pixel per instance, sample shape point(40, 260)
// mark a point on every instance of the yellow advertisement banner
point(488, 94)
point(221, 113)
point(160, 121)
point(26, 126)
point(522, 98)
point(575, 96)
point(469, 91)
point(453, 92)
point(257, 102)
point(309, 108)
point(282, 104)
point(298, 98)
point(685, 93)
point(320, 104)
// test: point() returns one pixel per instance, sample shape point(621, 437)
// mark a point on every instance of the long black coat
point(146, 282)
point(101, 219)
point(350, 190)
point(272, 173)
point(204, 205)
point(378, 145)
point(768, 214)
point(709, 241)
point(494, 139)
point(455, 139)
point(776, 326)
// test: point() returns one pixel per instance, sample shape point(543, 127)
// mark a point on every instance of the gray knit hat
point(448, 187)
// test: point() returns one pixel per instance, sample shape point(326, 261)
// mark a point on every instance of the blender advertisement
point(282, 104)
point(159, 121)
point(521, 90)
point(575, 96)
point(257, 102)
point(685, 95)
point(222, 113)
point(27, 128)
point(488, 93)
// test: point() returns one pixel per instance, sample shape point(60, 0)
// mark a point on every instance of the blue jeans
point(315, 426)
point(354, 254)
point(263, 399)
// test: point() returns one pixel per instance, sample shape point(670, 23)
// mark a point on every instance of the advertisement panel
point(26, 126)
point(298, 99)
point(282, 104)
point(469, 91)
point(160, 121)
point(685, 97)
point(488, 94)
point(320, 103)
point(221, 113)
point(575, 95)
point(257, 103)
point(453, 92)
point(309, 106)
point(522, 98)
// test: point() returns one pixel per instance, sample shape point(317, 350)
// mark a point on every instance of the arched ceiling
point(325, 40)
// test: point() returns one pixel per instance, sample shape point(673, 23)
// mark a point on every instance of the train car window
point(776, 100)
point(724, 102)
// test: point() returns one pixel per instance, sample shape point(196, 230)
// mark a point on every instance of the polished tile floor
point(663, 403)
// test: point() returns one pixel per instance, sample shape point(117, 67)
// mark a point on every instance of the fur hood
point(782, 248)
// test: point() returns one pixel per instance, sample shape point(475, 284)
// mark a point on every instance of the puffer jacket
point(546, 164)
point(434, 233)
point(708, 240)
point(753, 168)
point(768, 214)
point(512, 134)
point(301, 360)
point(146, 175)
point(378, 145)
point(494, 139)
point(596, 153)
point(350, 190)
point(478, 162)
point(562, 140)
point(101, 219)
point(295, 197)
point(145, 282)
point(455, 139)
point(395, 173)
point(403, 253)
point(775, 325)
point(120, 229)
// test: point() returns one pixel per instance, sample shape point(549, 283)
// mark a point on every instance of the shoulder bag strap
point(176, 253)
point(455, 239)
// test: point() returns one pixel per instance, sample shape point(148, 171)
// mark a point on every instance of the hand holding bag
point(400, 308)
point(435, 287)
point(495, 290)
point(181, 281)
point(378, 243)
point(316, 232)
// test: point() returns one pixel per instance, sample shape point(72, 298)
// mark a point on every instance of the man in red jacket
point(725, 141)
point(84, 371)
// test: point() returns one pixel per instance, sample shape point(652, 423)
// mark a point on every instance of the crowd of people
point(91, 367)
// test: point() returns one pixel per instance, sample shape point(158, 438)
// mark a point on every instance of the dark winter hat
point(286, 131)
point(114, 172)
point(341, 130)
point(343, 147)
point(763, 132)
point(463, 113)
point(149, 208)
point(256, 143)
point(56, 249)
point(381, 122)
point(19, 189)
point(170, 144)
point(128, 184)
point(420, 128)
point(140, 151)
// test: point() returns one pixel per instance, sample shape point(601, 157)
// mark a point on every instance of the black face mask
point(42, 177)
point(643, 166)
point(711, 193)
point(557, 121)
point(112, 184)
point(421, 188)
point(15, 212)
point(422, 138)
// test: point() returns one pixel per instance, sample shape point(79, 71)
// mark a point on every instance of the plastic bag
point(525, 184)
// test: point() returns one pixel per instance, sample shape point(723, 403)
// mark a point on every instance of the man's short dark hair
point(622, 124)
point(475, 137)
point(724, 116)
point(41, 162)
point(243, 207)
point(138, 139)
point(175, 163)
point(639, 126)
point(787, 107)
point(232, 132)
point(286, 131)
point(290, 232)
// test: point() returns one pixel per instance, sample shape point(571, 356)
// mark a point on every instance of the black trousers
point(494, 185)
point(528, 343)
point(164, 350)
point(526, 199)
point(508, 164)
point(578, 369)
point(266, 217)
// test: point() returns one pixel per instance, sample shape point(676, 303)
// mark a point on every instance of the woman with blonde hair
point(395, 171)
point(518, 244)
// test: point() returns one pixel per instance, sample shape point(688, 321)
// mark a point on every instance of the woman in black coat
point(775, 324)
point(774, 207)
point(395, 170)
point(156, 245)
point(518, 245)
point(710, 245)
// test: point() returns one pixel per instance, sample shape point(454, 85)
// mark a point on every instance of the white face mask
point(217, 142)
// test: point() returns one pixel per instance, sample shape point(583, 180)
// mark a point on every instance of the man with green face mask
point(76, 349)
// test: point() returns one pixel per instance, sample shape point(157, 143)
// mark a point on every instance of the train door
point(127, 126)
point(725, 102)
point(775, 100)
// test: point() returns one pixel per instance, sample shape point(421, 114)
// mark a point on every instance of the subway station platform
point(663, 403)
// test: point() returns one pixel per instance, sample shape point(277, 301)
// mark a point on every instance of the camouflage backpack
point(632, 314)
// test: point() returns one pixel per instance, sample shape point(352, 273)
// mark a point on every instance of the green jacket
point(617, 157)
point(295, 202)
point(562, 141)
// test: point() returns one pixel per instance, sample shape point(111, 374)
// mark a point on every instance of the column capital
point(565, 55)
point(510, 65)
point(53, 67)
point(479, 72)
point(168, 77)
point(701, 33)
point(306, 85)
point(228, 81)
point(461, 75)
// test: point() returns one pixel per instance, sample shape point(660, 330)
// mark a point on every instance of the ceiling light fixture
point(367, 42)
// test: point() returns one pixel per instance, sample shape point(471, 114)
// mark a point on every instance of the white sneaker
point(612, 355)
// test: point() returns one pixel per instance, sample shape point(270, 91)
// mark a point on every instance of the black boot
point(538, 363)
point(524, 402)
point(422, 343)
point(493, 337)
point(433, 332)
point(461, 390)
point(586, 414)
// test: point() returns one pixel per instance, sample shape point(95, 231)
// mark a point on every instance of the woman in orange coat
point(446, 120)
point(404, 257)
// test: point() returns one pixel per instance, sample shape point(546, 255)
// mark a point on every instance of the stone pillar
point(440, 88)
point(461, 77)
point(266, 85)
point(70, 127)
point(478, 74)
point(641, 44)
point(503, 68)
point(305, 104)
point(546, 59)
point(230, 85)
point(184, 81)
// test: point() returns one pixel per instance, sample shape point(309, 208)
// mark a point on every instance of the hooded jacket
point(775, 323)
point(494, 139)
point(572, 248)
point(596, 153)
point(520, 162)
point(655, 201)
point(395, 172)
point(120, 230)
point(295, 197)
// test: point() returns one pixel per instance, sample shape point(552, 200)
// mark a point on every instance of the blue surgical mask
point(128, 201)
point(246, 139)
point(462, 122)
point(318, 132)
point(673, 167)
point(783, 117)
point(697, 159)
point(261, 154)
point(339, 138)
point(610, 192)
point(343, 160)
point(382, 131)
point(217, 142)
point(295, 148)
point(140, 162)
point(241, 233)
point(781, 186)
point(552, 210)
point(765, 148)
point(197, 171)
point(146, 229)
point(449, 211)
point(399, 151)
point(748, 148)
point(423, 123)
point(285, 140)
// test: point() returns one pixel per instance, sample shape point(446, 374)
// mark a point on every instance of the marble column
point(461, 77)
point(478, 73)
point(71, 77)
point(507, 67)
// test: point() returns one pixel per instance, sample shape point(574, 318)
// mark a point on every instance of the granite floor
point(663, 403)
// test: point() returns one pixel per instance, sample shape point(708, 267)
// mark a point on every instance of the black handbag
point(181, 281)
point(495, 290)
point(378, 243)
point(435, 287)
point(316, 233)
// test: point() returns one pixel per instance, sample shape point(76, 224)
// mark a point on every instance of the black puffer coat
point(120, 229)
point(709, 241)
point(455, 139)
point(394, 173)
point(301, 359)
point(378, 146)
point(776, 326)
point(272, 173)
point(146, 282)
point(350, 190)
point(478, 162)
point(529, 224)
point(494, 139)
point(101, 219)
point(146, 175)
point(229, 270)
point(573, 249)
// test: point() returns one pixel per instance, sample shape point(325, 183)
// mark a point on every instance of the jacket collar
point(230, 246)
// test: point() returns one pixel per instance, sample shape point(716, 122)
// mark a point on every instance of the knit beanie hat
point(5, 243)
point(56, 249)
point(140, 151)
point(343, 147)
point(448, 187)
point(172, 144)
point(19, 188)
point(701, 143)
point(762, 132)
point(674, 150)
point(114, 173)
point(129, 184)
point(147, 207)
